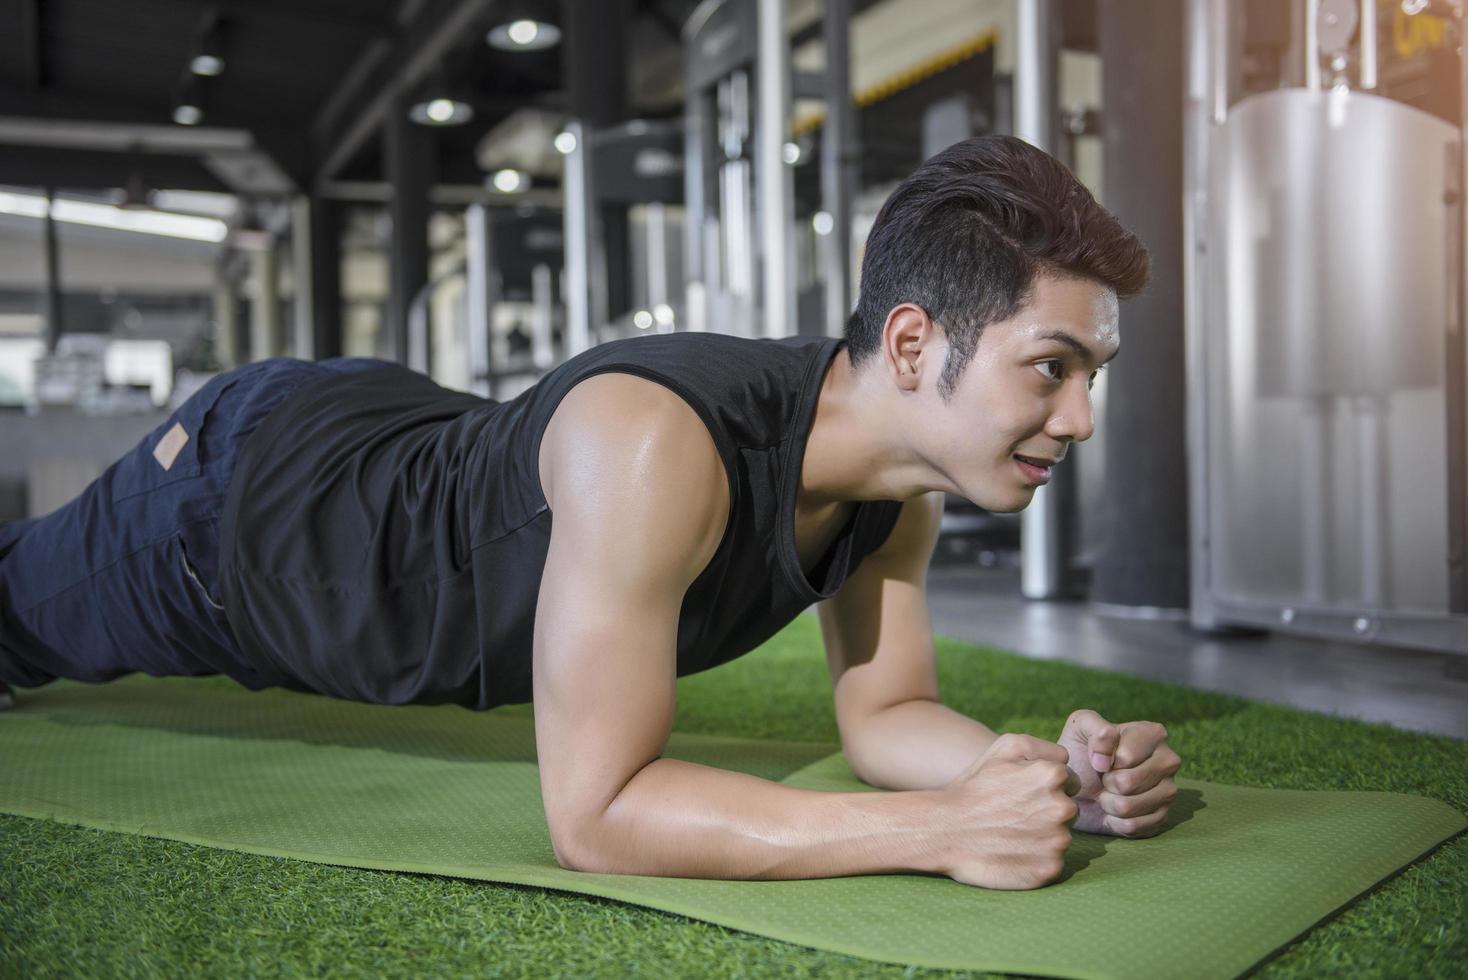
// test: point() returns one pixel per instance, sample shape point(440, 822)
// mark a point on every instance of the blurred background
point(1276, 499)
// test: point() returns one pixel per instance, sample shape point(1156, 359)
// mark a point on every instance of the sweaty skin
point(640, 501)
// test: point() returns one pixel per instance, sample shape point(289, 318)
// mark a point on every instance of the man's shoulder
point(627, 462)
point(639, 428)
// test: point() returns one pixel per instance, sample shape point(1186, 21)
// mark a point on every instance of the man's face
point(1026, 393)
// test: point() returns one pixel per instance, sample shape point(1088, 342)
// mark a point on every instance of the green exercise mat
point(446, 791)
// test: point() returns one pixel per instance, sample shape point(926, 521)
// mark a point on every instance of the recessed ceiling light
point(507, 181)
point(208, 65)
point(524, 35)
point(441, 112)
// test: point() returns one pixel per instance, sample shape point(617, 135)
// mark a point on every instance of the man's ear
point(906, 336)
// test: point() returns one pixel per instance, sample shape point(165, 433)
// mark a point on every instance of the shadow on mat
point(218, 707)
point(1085, 848)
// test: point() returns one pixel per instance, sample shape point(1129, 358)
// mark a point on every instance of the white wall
point(97, 258)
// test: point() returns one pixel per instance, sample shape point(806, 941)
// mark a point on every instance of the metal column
point(773, 179)
point(1044, 527)
point(595, 68)
point(226, 325)
point(585, 304)
point(1202, 110)
point(838, 165)
point(303, 345)
point(1142, 565)
point(267, 337)
point(478, 298)
point(408, 151)
point(316, 240)
point(54, 309)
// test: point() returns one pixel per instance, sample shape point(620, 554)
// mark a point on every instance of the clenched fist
point(1125, 774)
point(1008, 816)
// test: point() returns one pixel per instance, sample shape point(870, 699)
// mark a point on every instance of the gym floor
point(1408, 689)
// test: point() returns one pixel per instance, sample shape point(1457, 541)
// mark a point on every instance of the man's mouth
point(1035, 470)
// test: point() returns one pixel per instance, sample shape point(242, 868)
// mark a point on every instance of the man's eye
point(1059, 369)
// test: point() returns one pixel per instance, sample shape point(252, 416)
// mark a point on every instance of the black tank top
point(383, 538)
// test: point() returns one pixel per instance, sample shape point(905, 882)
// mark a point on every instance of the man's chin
point(1010, 506)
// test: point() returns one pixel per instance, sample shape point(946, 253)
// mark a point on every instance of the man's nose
point(1073, 419)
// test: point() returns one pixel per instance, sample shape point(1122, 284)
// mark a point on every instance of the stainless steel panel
point(1326, 322)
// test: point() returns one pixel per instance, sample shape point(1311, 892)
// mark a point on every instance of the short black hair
point(965, 235)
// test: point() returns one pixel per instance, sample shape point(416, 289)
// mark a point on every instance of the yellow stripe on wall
point(887, 88)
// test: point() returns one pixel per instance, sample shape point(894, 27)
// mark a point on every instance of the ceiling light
point(790, 153)
point(208, 57)
point(822, 222)
point(109, 216)
point(524, 34)
point(565, 141)
point(663, 314)
point(188, 109)
point(441, 112)
point(642, 319)
point(507, 181)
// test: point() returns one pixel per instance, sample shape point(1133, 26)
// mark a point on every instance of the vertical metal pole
point(226, 325)
point(733, 288)
point(838, 159)
point(419, 314)
point(54, 326)
point(1317, 544)
point(325, 270)
point(656, 218)
point(1036, 65)
point(477, 299)
point(408, 152)
point(1372, 454)
point(1312, 45)
point(580, 224)
point(696, 157)
point(303, 306)
point(1368, 44)
point(1143, 562)
point(773, 179)
point(542, 353)
point(265, 326)
point(1197, 131)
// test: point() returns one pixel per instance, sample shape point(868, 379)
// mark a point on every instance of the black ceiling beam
point(326, 16)
point(358, 118)
point(663, 19)
point(16, 100)
point(36, 166)
point(281, 144)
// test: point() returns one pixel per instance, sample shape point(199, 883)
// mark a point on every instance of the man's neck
point(854, 451)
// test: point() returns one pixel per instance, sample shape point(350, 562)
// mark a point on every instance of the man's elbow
point(571, 842)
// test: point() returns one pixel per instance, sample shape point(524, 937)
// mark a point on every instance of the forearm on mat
point(918, 744)
point(681, 819)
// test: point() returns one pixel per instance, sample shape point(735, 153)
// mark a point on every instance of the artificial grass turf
point(87, 902)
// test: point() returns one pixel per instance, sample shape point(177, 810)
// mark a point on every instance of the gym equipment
point(1328, 435)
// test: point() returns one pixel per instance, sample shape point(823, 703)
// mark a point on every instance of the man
point(651, 508)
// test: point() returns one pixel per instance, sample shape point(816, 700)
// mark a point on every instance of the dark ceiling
point(87, 88)
point(308, 80)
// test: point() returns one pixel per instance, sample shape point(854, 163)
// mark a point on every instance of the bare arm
point(640, 499)
point(895, 732)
